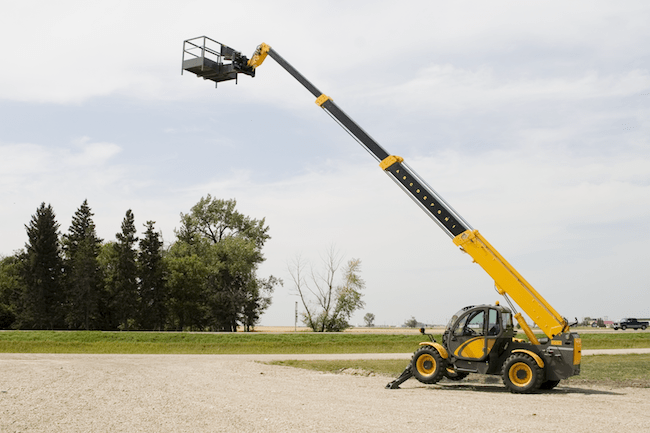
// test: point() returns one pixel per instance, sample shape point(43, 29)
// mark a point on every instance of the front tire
point(521, 374)
point(428, 366)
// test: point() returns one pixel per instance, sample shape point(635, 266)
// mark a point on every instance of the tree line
point(206, 280)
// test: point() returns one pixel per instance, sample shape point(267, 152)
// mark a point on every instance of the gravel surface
point(222, 393)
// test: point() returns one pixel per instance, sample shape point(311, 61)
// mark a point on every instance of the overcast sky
point(529, 118)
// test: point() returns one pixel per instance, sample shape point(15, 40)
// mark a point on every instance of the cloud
point(532, 123)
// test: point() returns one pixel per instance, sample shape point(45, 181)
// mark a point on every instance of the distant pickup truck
point(630, 323)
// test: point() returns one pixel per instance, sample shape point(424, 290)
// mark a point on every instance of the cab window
point(493, 322)
point(471, 324)
point(507, 320)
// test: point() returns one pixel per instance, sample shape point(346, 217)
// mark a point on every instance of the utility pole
point(295, 322)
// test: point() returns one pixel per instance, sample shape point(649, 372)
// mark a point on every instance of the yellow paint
point(535, 356)
point(556, 342)
point(472, 348)
point(390, 160)
point(577, 351)
point(421, 364)
point(439, 347)
point(514, 373)
point(526, 328)
point(260, 54)
point(509, 281)
point(322, 99)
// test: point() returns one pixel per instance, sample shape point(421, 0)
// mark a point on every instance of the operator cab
point(475, 331)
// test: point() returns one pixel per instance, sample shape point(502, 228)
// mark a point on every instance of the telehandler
point(478, 339)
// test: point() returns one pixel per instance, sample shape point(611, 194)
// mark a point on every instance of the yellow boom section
point(509, 282)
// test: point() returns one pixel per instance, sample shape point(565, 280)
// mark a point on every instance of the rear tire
point(521, 374)
point(428, 366)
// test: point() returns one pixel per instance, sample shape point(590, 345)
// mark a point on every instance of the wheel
point(427, 364)
point(455, 375)
point(549, 384)
point(623, 327)
point(643, 327)
point(521, 374)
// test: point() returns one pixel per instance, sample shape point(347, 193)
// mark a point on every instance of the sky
point(531, 119)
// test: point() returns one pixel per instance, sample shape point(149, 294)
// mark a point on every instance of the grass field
point(603, 370)
point(202, 343)
point(248, 343)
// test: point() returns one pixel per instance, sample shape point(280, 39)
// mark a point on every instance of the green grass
point(604, 370)
point(247, 343)
point(200, 343)
point(616, 370)
point(618, 340)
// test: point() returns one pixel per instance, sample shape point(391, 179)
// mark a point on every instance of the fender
point(535, 356)
point(439, 347)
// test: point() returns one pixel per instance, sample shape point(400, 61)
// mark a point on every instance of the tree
point(81, 248)
point(41, 303)
point(258, 299)
point(153, 294)
point(411, 323)
point(369, 320)
point(228, 248)
point(186, 276)
point(12, 287)
point(123, 284)
point(328, 307)
point(215, 219)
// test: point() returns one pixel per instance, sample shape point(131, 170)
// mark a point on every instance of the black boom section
point(355, 130)
point(329, 106)
point(427, 199)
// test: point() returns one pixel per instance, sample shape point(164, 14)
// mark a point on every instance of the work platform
point(211, 60)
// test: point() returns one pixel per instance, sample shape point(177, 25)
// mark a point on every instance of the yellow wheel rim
point(520, 374)
point(426, 364)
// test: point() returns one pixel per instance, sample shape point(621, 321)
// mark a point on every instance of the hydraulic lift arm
point(508, 281)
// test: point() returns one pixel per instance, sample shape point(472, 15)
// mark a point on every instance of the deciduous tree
point(369, 320)
point(228, 246)
point(328, 306)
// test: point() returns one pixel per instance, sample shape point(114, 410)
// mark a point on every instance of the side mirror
point(422, 331)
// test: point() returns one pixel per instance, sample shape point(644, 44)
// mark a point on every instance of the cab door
point(474, 334)
point(467, 339)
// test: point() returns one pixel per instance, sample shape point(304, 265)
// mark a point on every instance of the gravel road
point(233, 393)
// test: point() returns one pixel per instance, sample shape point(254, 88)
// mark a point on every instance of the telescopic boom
point(214, 61)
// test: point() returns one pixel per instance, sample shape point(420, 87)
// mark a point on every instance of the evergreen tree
point(124, 290)
point(81, 248)
point(153, 295)
point(41, 302)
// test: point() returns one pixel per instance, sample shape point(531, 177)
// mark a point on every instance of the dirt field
point(221, 393)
